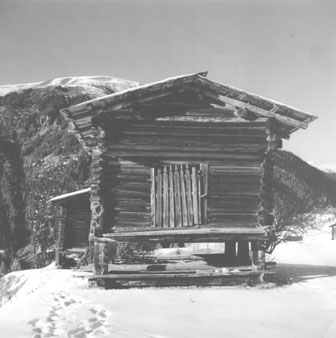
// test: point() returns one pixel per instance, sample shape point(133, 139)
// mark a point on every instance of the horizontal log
point(185, 155)
point(189, 235)
point(135, 172)
point(123, 187)
point(236, 191)
point(122, 167)
point(258, 135)
point(236, 149)
point(103, 240)
point(260, 124)
point(172, 275)
point(190, 143)
point(231, 180)
point(122, 196)
point(227, 188)
point(132, 216)
point(130, 192)
point(230, 224)
point(199, 137)
point(144, 207)
point(130, 224)
point(239, 171)
point(128, 177)
point(233, 208)
point(231, 217)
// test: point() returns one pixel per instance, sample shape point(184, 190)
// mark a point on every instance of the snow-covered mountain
point(95, 85)
point(327, 167)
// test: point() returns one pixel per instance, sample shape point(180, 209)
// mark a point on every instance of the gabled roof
point(80, 115)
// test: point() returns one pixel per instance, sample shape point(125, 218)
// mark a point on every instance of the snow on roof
point(68, 195)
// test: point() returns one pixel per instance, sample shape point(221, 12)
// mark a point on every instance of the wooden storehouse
point(183, 160)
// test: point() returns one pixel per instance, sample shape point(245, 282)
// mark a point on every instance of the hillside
point(302, 194)
point(40, 158)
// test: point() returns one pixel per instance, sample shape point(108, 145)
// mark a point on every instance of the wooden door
point(177, 195)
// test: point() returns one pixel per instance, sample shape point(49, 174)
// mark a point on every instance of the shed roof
point(61, 198)
point(79, 116)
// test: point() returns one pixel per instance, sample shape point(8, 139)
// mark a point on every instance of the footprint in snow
point(61, 320)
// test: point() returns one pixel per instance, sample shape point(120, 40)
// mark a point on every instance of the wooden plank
point(171, 198)
point(183, 198)
point(165, 198)
point(158, 199)
point(204, 171)
point(177, 196)
point(194, 194)
point(199, 197)
point(189, 197)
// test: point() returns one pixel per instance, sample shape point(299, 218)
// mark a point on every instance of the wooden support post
point(333, 229)
point(60, 229)
point(258, 256)
point(243, 253)
point(230, 253)
point(100, 262)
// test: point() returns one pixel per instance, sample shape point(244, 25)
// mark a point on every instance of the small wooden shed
point(185, 159)
point(73, 216)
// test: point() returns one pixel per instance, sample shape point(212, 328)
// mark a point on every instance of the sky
point(282, 49)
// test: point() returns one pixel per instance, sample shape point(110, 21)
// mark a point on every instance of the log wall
point(77, 223)
point(233, 152)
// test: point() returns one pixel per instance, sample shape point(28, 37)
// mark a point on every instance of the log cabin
point(183, 160)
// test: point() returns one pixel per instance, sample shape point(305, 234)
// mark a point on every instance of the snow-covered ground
point(59, 303)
